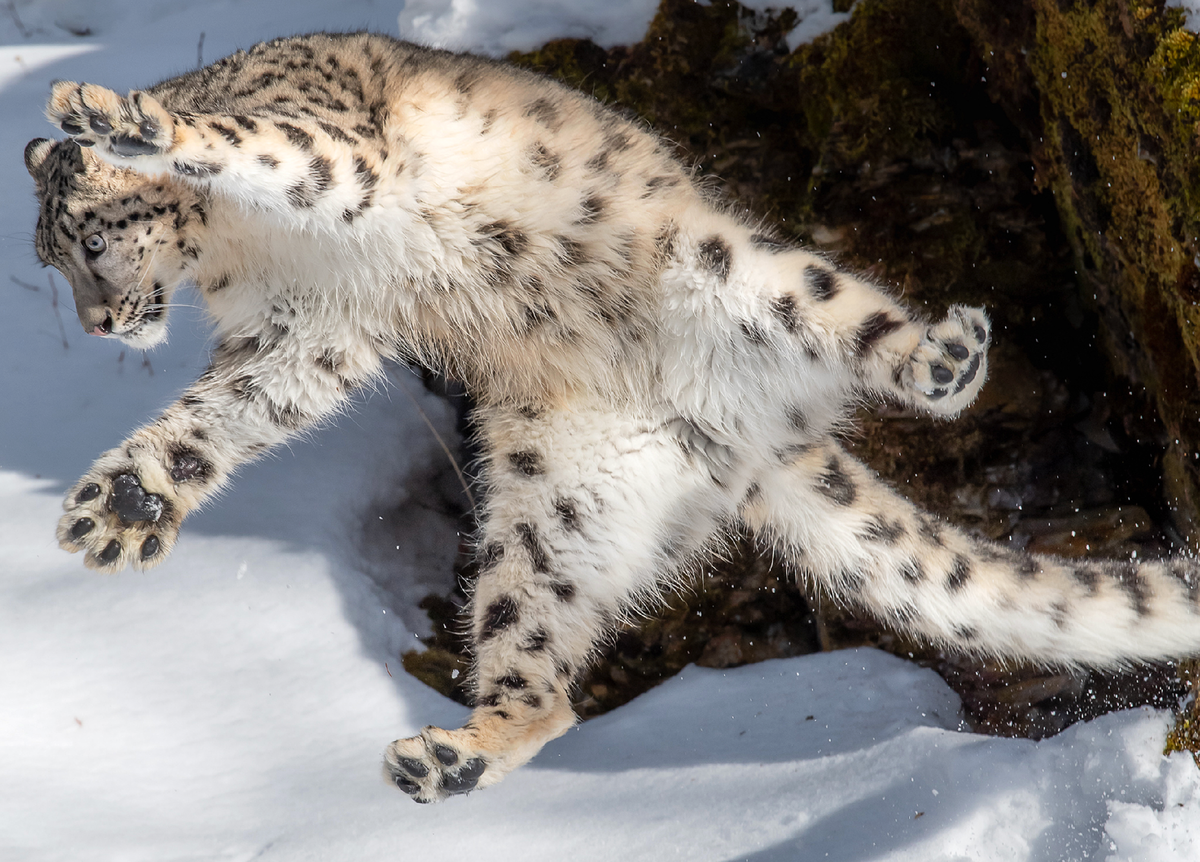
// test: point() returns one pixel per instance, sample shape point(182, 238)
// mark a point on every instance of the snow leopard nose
point(96, 319)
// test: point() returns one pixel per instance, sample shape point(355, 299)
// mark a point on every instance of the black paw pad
point(111, 551)
point(446, 755)
point(413, 767)
point(466, 778)
point(81, 528)
point(942, 374)
point(89, 492)
point(150, 547)
point(969, 374)
point(409, 787)
point(124, 145)
point(131, 502)
point(958, 351)
point(71, 128)
point(980, 334)
point(99, 125)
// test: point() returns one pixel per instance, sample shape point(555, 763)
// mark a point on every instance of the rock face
point(1035, 156)
point(1108, 95)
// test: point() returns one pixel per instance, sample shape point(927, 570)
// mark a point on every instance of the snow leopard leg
point(587, 513)
point(839, 524)
point(258, 391)
point(772, 323)
point(302, 168)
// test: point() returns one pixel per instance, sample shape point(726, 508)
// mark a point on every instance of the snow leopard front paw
point(125, 126)
point(115, 520)
point(435, 765)
point(948, 368)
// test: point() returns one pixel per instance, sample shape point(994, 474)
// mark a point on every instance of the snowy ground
point(234, 704)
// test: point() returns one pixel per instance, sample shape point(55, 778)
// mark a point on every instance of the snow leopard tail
point(845, 529)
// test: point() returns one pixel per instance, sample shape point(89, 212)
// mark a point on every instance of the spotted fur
point(650, 368)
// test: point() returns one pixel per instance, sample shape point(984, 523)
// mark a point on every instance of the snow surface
point(1191, 11)
point(234, 704)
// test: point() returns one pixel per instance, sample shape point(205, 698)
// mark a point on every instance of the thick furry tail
point(841, 526)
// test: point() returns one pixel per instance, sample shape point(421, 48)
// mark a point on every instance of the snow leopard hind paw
point(949, 366)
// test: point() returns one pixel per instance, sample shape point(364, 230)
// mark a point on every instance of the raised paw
point(949, 366)
point(437, 764)
point(124, 126)
point(115, 521)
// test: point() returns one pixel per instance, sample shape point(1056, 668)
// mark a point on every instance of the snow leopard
point(651, 368)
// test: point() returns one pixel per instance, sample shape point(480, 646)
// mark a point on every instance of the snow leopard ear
point(36, 152)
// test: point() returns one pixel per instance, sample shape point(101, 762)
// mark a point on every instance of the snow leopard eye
point(95, 243)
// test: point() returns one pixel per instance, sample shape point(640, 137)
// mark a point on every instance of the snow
point(1191, 11)
point(234, 703)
